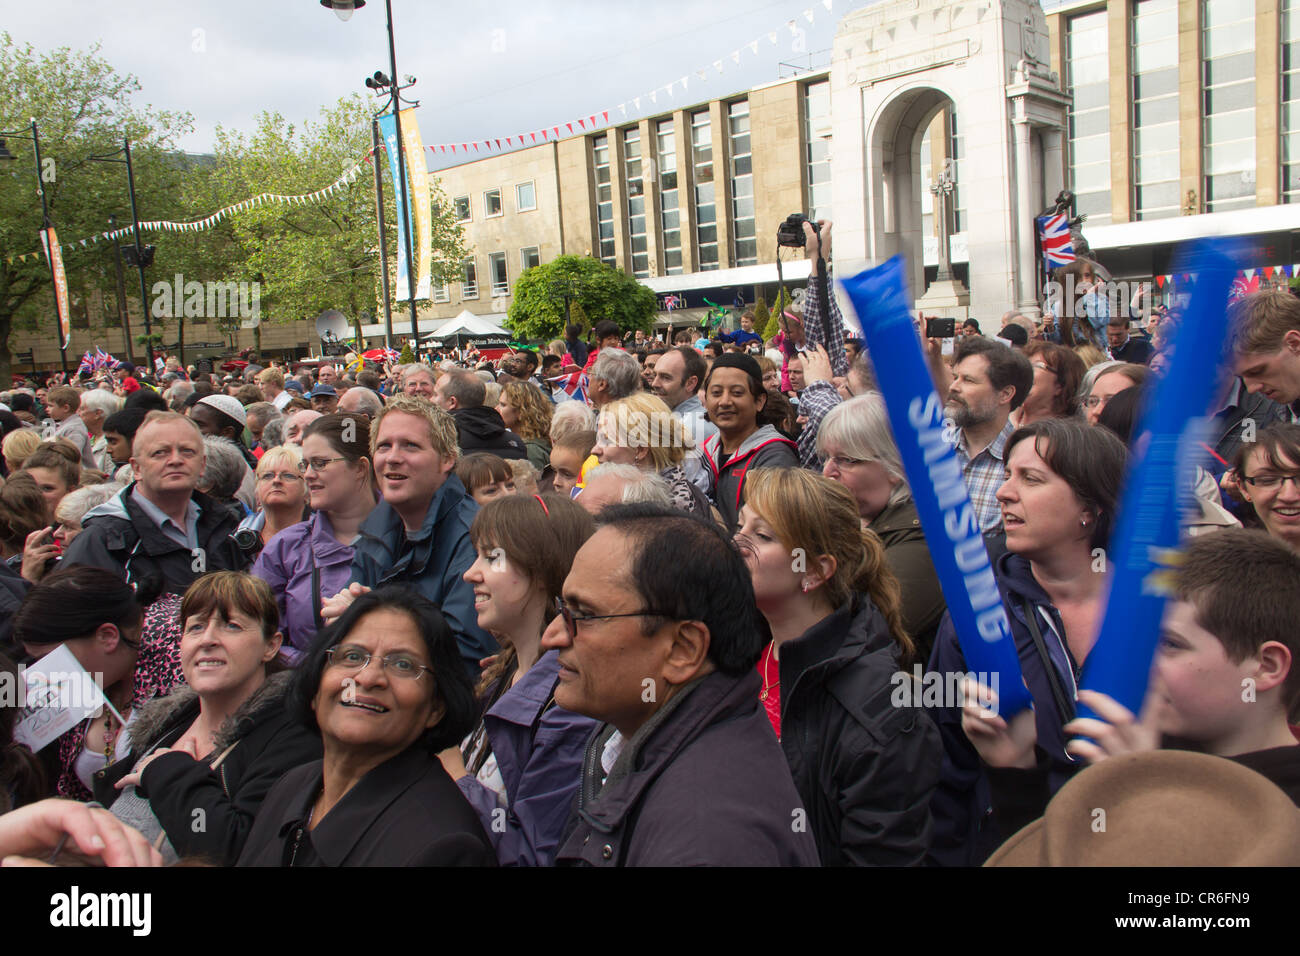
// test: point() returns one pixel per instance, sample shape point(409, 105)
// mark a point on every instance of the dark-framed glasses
point(1271, 481)
point(571, 619)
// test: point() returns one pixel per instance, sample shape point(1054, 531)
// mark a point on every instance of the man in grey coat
point(686, 770)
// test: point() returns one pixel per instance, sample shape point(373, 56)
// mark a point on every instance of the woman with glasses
point(1268, 470)
point(312, 560)
point(1058, 373)
point(863, 765)
point(281, 495)
point(119, 634)
point(216, 745)
point(521, 765)
point(385, 688)
point(857, 446)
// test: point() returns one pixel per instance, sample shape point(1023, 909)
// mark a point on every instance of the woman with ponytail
point(119, 634)
point(521, 765)
point(864, 766)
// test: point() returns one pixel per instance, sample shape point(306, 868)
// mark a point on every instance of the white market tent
point(469, 327)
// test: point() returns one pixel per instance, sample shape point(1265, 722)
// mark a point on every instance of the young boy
point(1223, 682)
point(63, 403)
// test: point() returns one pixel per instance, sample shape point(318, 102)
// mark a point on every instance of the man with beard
point(990, 381)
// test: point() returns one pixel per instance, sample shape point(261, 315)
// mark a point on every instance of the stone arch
point(894, 193)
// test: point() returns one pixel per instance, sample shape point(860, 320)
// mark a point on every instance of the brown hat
point(1161, 808)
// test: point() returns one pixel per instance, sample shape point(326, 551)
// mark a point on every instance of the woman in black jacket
point(864, 766)
point(203, 758)
point(385, 689)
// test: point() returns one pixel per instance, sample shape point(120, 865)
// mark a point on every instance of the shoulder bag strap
point(1064, 704)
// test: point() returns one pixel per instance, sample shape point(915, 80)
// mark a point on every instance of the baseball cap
point(226, 404)
point(322, 390)
point(293, 385)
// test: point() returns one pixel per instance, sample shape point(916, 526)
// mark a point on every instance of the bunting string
point(201, 225)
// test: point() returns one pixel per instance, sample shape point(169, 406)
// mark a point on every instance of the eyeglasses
point(1093, 401)
point(320, 464)
point(352, 658)
point(1272, 481)
point(840, 462)
point(285, 476)
point(571, 620)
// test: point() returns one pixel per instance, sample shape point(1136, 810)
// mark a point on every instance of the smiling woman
point(215, 746)
point(385, 689)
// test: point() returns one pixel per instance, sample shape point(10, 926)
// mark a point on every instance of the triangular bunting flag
point(682, 81)
point(570, 126)
point(556, 131)
point(702, 74)
point(809, 14)
point(507, 140)
point(1249, 273)
point(735, 55)
point(654, 96)
point(772, 36)
point(582, 124)
point(1160, 282)
point(605, 114)
point(718, 65)
point(498, 142)
point(753, 45)
point(636, 101)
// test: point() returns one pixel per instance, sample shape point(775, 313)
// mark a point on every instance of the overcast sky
point(484, 70)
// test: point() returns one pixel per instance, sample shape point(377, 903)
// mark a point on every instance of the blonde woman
point(528, 412)
point(641, 430)
point(864, 767)
point(281, 495)
point(18, 446)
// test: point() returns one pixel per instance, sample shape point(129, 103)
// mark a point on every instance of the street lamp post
point(139, 246)
point(121, 293)
point(383, 235)
point(46, 223)
point(344, 10)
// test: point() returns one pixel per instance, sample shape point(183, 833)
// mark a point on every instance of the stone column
point(1025, 212)
point(1053, 163)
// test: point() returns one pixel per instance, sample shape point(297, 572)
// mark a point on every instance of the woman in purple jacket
point(521, 766)
point(309, 561)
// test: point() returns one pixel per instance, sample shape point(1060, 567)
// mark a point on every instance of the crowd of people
point(621, 600)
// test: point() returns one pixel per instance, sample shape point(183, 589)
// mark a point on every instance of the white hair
point(99, 400)
point(571, 417)
point(638, 485)
point(77, 503)
point(617, 369)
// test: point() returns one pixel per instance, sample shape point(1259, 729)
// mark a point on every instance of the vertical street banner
point(1143, 556)
point(882, 306)
point(388, 130)
point(418, 172)
point(55, 259)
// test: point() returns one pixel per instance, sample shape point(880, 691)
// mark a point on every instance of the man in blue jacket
point(419, 533)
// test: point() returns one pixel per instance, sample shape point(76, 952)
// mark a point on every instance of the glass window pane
point(1157, 83)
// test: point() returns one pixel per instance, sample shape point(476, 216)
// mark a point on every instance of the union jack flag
point(87, 364)
point(575, 384)
point(103, 359)
point(1054, 233)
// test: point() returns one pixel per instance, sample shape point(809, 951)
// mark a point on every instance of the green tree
point(83, 108)
point(407, 356)
point(601, 291)
point(310, 257)
point(761, 317)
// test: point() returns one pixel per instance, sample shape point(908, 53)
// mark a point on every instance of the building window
point(492, 204)
point(1290, 125)
point(462, 209)
point(635, 202)
point(525, 197)
point(1154, 56)
point(441, 293)
point(706, 213)
point(469, 280)
point(497, 270)
point(1088, 81)
point(604, 200)
point(669, 214)
point(817, 160)
point(1228, 78)
point(529, 257)
point(956, 150)
point(745, 242)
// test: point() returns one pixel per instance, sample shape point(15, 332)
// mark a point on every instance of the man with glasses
point(670, 667)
